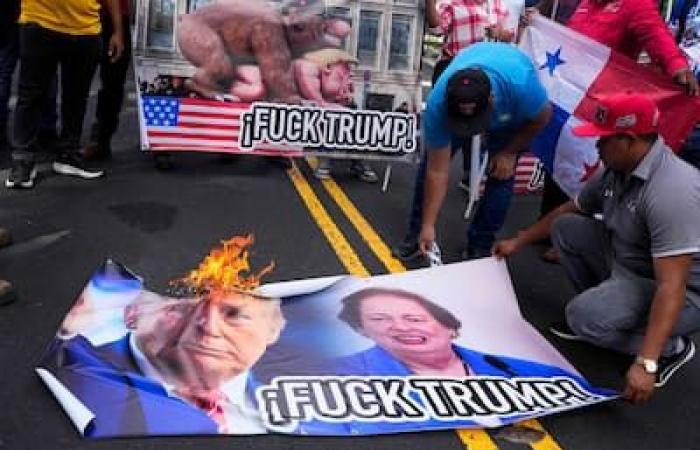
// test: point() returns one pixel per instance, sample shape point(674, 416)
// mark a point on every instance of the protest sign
point(429, 349)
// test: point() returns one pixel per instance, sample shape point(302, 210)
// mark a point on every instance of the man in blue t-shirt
point(489, 88)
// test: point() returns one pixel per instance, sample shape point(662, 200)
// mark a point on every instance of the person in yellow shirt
point(53, 34)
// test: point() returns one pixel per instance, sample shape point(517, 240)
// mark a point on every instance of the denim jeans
point(9, 55)
point(41, 52)
point(491, 210)
point(612, 307)
point(112, 76)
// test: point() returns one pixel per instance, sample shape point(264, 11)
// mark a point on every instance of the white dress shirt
point(240, 414)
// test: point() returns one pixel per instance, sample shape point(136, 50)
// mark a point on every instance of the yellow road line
point(373, 240)
point(547, 442)
point(375, 243)
point(330, 230)
point(476, 439)
point(472, 439)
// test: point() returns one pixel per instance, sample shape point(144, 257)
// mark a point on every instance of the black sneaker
point(563, 330)
point(73, 165)
point(22, 175)
point(668, 365)
point(407, 251)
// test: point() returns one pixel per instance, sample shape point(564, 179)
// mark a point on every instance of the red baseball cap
point(622, 114)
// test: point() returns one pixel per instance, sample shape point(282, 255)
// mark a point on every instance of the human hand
point(498, 33)
point(506, 247)
point(426, 238)
point(502, 166)
point(686, 78)
point(640, 384)
point(527, 16)
point(116, 47)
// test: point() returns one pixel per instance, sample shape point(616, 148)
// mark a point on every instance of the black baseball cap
point(468, 105)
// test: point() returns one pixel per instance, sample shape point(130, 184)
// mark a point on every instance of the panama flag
point(576, 71)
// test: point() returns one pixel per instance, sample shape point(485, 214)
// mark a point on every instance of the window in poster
point(193, 5)
point(368, 38)
point(343, 13)
point(401, 40)
point(161, 17)
point(379, 102)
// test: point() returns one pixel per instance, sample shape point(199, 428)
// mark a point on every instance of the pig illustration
point(223, 40)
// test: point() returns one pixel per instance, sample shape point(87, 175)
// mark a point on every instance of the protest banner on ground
point(429, 349)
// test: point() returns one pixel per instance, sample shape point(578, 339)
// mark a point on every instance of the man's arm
point(535, 232)
point(436, 177)
point(647, 25)
point(431, 14)
point(502, 166)
point(116, 41)
point(671, 275)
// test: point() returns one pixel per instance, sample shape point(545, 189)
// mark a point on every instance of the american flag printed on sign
point(188, 124)
point(529, 174)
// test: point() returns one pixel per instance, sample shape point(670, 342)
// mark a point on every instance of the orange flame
point(226, 268)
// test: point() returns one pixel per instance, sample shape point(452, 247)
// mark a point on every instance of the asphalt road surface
point(160, 224)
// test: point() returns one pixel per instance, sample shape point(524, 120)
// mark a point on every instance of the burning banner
point(423, 350)
point(277, 78)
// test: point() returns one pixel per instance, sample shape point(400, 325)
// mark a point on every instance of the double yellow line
point(472, 439)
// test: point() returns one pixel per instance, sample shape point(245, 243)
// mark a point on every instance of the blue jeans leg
point(490, 215)
point(416, 219)
point(494, 203)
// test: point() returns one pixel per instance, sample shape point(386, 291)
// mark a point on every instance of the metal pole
point(387, 177)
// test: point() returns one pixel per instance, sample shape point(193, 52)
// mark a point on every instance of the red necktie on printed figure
point(212, 403)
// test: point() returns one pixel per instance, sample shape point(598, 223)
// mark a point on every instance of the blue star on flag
point(553, 60)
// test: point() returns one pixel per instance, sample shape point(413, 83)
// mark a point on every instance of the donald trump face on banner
point(224, 335)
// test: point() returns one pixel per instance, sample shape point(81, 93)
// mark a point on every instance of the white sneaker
point(72, 165)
